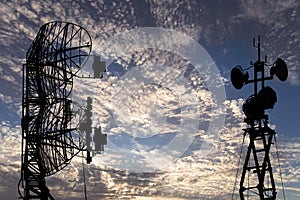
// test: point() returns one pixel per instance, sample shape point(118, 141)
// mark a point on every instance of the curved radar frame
point(49, 139)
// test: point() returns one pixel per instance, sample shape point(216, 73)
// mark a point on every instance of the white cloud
point(282, 35)
point(208, 176)
point(214, 173)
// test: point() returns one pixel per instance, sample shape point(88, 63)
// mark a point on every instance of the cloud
point(214, 172)
point(282, 35)
point(197, 174)
point(140, 104)
point(10, 155)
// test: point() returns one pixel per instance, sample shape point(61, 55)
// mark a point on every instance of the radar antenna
point(49, 139)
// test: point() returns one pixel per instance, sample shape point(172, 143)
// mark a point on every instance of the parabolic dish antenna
point(59, 50)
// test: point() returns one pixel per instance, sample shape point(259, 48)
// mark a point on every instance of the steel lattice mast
point(49, 140)
point(261, 137)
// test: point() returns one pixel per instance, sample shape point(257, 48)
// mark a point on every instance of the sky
point(174, 121)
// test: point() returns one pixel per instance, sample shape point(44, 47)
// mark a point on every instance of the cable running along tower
point(49, 139)
point(257, 163)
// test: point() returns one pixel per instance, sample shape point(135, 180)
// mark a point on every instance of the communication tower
point(261, 136)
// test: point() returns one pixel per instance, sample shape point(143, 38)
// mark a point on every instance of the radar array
point(49, 138)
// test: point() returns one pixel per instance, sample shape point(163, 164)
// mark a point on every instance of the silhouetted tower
point(261, 136)
point(86, 124)
point(95, 144)
point(49, 139)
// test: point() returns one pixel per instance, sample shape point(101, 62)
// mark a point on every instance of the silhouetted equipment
point(266, 98)
point(279, 69)
point(99, 67)
point(88, 157)
point(238, 77)
point(99, 139)
point(85, 126)
point(49, 139)
point(255, 106)
point(260, 134)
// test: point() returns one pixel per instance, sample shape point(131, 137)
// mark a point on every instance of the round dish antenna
point(279, 69)
point(238, 77)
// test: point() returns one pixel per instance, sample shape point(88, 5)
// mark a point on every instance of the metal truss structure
point(261, 138)
point(49, 139)
point(257, 163)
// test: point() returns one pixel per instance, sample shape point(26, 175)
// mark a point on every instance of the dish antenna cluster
point(261, 136)
point(50, 139)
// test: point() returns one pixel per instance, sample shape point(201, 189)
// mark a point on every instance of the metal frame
point(49, 139)
point(259, 134)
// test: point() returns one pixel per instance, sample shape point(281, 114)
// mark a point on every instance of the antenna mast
point(257, 162)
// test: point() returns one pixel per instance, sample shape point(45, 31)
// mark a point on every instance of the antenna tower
point(257, 162)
